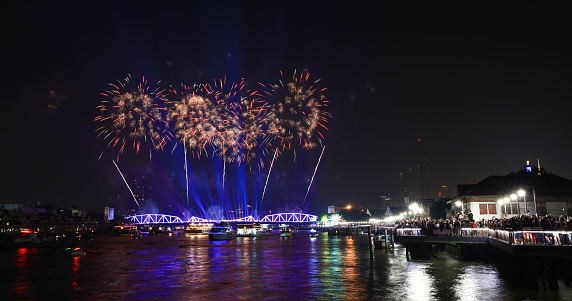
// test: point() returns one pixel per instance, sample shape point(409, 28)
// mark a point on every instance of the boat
point(222, 231)
point(32, 238)
point(285, 232)
point(26, 240)
point(380, 242)
point(313, 233)
point(75, 250)
point(135, 233)
point(200, 228)
point(249, 230)
point(125, 229)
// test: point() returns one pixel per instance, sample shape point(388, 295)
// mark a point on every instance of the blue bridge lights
point(147, 219)
point(289, 218)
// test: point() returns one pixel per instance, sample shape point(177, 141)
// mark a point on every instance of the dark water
point(185, 267)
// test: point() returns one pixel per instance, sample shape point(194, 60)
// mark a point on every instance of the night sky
point(485, 88)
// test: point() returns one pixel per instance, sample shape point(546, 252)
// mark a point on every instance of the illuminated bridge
point(148, 219)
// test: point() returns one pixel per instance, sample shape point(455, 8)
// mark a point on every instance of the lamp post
point(533, 197)
point(458, 203)
point(523, 195)
point(507, 200)
point(502, 202)
point(513, 197)
point(415, 209)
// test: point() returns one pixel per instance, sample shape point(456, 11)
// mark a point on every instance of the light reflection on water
point(192, 268)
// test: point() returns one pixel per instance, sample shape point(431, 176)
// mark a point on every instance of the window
point(488, 208)
point(492, 209)
point(483, 208)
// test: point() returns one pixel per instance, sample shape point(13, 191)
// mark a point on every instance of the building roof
point(544, 185)
point(383, 213)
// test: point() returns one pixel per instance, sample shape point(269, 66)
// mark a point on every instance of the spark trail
point(126, 184)
point(268, 176)
point(187, 175)
point(223, 174)
point(311, 181)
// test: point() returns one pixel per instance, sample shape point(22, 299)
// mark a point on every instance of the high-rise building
point(142, 184)
point(415, 180)
point(443, 191)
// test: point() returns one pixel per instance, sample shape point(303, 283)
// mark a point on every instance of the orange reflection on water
point(339, 268)
point(353, 284)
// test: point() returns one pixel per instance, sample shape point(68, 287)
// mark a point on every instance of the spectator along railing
point(526, 236)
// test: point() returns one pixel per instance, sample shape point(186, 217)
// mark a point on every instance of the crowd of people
point(454, 224)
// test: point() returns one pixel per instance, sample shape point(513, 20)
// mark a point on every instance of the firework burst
point(196, 117)
point(296, 113)
point(133, 116)
point(243, 118)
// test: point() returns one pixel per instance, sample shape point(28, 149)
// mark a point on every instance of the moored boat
point(249, 230)
point(222, 231)
point(380, 241)
point(313, 233)
point(198, 228)
point(285, 232)
point(125, 229)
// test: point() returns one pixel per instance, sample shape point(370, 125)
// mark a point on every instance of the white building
point(497, 196)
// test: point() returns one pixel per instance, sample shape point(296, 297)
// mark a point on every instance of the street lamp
point(502, 202)
point(459, 204)
point(415, 209)
point(513, 197)
point(506, 200)
point(533, 197)
point(523, 195)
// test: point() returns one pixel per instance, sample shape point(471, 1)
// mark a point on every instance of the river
point(189, 267)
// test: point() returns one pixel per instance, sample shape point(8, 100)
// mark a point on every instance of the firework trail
point(186, 175)
point(297, 114)
point(223, 175)
point(126, 184)
point(134, 114)
point(311, 181)
point(268, 176)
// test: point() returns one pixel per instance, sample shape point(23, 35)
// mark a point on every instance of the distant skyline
point(485, 87)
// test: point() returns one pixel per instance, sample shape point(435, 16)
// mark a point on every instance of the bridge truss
point(146, 219)
point(289, 218)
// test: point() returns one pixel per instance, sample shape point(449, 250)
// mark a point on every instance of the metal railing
point(534, 237)
point(469, 232)
point(531, 236)
point(409, 232)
